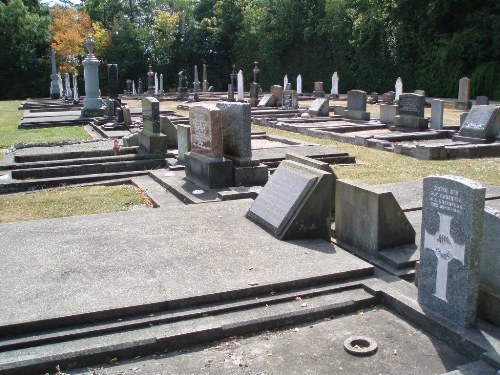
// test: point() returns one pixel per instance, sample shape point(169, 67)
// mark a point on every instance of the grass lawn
point(9, 134)
point(70, 201)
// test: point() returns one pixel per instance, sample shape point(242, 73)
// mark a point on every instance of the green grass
point(378, 167)
point(70, 201)
point(10, 135)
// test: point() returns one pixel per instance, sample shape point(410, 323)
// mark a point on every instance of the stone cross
point(399, 88)
point(445, 248)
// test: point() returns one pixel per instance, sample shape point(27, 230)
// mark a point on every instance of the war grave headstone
point(356, 106)
point(183, 141)
point(463, 102)
point(205, 164)
point(290, 100)
point(320, 108)
point(482, 125)
point(295, 203)
point(168, 128)
point(387, 113)
point(411, 113)
point(437, 110)
point(237, 131)
point(319, 91)
point(112, 81)
point(150, 138)
point(452, 227)
point(482, 100)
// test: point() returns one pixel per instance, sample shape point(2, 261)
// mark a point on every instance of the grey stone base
point(319, 94)
point(357, 115)
point(87, 113)
point(338, 110)
point(410, 123)
point(209, 172)
point(153, 142)
point(251, 176)
point(461, 138)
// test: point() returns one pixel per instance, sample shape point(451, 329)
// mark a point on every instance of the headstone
point(127, 117)
point(151, 81)
point(75, 87)
point(230, 93)
point(67, 87)
point(157, 85)
point(168, 128)
point(320, 108)
point(234, 78)
point(299, 85)
point(356, 106)
point(205, 79)
point(113, 81)
point(277, 92)
point(482, 100)
point(236, 130)
point(290, 99)
point(295, 203)
point(206, 130)
point(140, 90)
point(183, 141)
point(55, 89)
point(452, 227)
point(151, 115)
point(285, 81)
point(161, 92)
point(254, 94)
point(256, 72)
point(241, 94)
point(482, 125)
point(92, 103)
point(196, 83)
point(319, 91)
point(182, 90)
point(419, 92)
point(411, 113)
point(267, 100)
point(387, 113)
point(463, 101)
point(134, 92)
point(398, 88)
point(389, 97)
point(110, 109)
point(129, 85)
point(335, 85)
point(437, 109)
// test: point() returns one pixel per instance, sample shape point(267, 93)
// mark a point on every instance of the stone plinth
point(208, 172)
point(92, 102)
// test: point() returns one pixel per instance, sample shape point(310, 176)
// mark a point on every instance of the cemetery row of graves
point(253, 231)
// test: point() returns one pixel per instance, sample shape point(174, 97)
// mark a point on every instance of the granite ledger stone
point(452, 228)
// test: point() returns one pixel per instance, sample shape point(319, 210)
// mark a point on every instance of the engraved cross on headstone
point(445, 249)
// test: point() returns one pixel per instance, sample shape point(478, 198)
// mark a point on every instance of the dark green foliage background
point(431, 44)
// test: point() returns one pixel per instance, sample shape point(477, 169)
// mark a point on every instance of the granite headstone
point(482, 124)
point(206, 130)
point(151, 114)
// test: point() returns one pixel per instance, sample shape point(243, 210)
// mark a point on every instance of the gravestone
point(389, 97)
point(482, 125)
point(437, 109)
point(92, 103)
point(398, 88)
point(254, 94)
point(267, 100)
point(205, 164)
point(113, 81)
point(452, 228)
point(290, 99)
point(205, 79)
point(256, 72)
point(127, 118)
point(411, 113)
point(295, 203)
point(419, 92)
point(129, 86)
point(356, 106)
point(319, 91)
point(335, 86)
point(55, 89)
point(320, 108)
point(236, 129)
point(183, 141)
point(277, 92)
point(182, 89)
point(151, 81)
point(299, 85)
point(387, 113)
point(241, 91)
point(482, 100)
point(463, 101)
point(168, 128)
point(109, 112)
point(150, 136)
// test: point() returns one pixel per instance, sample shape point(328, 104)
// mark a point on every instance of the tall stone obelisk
point(93, 102)
point(55, 89)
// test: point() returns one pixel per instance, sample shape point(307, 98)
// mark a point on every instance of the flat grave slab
point(84, 264)
point(35, 115)
point(310, 151)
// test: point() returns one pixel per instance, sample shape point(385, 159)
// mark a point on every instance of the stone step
point(85, 344)
point(157, 193)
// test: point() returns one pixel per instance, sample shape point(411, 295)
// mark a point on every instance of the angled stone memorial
point(482, 125)
point(452, 229)
point(411, 113)
point(205, 163)
point(295, 203)
point(320, 108)
point(267, 100)
point(356, 106)
point(150, 138)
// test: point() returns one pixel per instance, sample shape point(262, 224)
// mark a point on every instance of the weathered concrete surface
point(67, 266)
point(315, 348)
